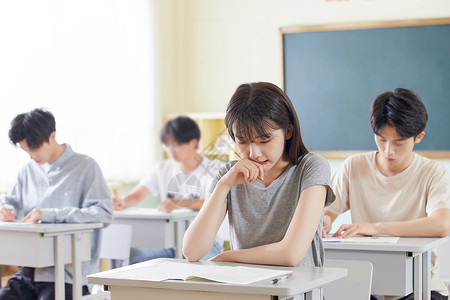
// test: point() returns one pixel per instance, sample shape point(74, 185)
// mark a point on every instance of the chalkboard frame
point(339, 154)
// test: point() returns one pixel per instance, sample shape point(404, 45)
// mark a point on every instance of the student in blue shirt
point(57, 185)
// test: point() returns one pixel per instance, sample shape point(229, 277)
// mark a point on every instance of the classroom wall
point(93, 64)
point(230, 42)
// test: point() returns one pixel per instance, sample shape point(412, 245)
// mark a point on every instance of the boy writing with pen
point(180, 181)
point(394, 191)
point(57, 185)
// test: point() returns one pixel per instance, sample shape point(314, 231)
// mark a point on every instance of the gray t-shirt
point(260, 215)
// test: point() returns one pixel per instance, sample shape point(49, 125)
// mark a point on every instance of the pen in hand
point(7, 214)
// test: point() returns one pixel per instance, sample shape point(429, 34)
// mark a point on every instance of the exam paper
point(363, 239)
point(191, 271)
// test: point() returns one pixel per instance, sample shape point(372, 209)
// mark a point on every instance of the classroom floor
point(7, 272)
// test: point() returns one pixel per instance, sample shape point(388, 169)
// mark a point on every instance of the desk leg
point(426, 274)
point(315, 294)
point(180, 229)
point(418, 271)
point(59, 267)
point(76, 268)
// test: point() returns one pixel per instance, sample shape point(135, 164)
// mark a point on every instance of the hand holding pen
point(6, 214)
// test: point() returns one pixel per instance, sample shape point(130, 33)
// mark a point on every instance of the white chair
point(444, 263)
point(115, 243)
point(357, 285)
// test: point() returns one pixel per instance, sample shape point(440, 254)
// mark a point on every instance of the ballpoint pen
point(275, 280)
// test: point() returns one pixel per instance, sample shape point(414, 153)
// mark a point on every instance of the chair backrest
point(116, 242)
point(357, 284)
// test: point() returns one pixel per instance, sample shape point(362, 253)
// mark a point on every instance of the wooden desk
point(305, 281)
point(47, 245)
point(154, 229)
point(398, 269)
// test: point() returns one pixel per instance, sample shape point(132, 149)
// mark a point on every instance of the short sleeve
point(316, 171)
point(150, 181)
point(340, 185)
point(219, 174)
point(439, 191)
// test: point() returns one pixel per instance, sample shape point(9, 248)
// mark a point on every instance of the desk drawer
point(392, 271)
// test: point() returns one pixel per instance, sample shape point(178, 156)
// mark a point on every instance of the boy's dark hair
point(401, 109)
point(35, 127)
point(260, 107)
point(183, 129)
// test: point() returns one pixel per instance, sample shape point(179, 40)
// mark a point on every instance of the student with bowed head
point(180, 181)
point(394, 191)
point(57, 185)
point(274, 195)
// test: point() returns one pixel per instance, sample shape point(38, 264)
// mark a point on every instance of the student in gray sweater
point(57, 185)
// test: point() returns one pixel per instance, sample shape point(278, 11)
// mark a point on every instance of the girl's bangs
point(248, 129)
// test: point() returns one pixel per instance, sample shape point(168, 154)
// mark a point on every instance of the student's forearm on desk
point(194, 204)
point(293, 247)
point(200, 235)
point(435, 225)
point(271, 254)
point(136, 196)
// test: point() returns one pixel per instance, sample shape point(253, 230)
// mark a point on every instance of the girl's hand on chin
point(244, 171)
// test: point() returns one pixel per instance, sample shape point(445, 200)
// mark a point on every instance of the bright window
point(92, 63)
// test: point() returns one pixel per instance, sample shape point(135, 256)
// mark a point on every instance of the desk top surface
point(153, 213)
point(404, 244)
point(46, 228)
point(304, 279)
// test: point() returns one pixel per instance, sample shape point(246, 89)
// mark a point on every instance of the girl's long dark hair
point(256, 108)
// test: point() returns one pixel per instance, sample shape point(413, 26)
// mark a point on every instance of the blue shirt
point(72, 189)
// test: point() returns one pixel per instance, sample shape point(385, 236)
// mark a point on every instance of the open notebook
point(198, 272)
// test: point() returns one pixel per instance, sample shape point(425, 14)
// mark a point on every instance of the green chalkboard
point(333, 76)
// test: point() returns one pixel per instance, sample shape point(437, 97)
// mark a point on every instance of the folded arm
point(297, 240)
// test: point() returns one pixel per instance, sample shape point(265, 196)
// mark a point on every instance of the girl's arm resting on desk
point(200, 235)
point(435, 225)
point(297, 240)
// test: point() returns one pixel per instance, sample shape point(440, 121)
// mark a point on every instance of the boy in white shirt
point(180, 181)
point(394, 191)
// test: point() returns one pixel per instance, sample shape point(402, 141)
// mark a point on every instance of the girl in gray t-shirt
point(274, 195)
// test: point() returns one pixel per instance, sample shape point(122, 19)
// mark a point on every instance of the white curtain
point(92, 63)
